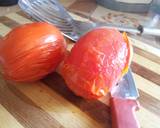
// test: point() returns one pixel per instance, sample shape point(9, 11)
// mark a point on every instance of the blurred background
point(130, 13)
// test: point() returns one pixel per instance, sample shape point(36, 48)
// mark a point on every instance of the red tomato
point(96, 63)
point(31, 51)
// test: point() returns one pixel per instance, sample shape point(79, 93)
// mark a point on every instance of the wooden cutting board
point(50, 104)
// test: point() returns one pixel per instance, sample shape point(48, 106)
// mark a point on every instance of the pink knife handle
point(123, 113)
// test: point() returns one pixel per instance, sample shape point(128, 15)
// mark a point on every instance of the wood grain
point(147, 101)
point(19, 19)
point(147, 86)
point(146, 47)
point(154, 67)
point(92, 108)
point(23, 109)
point(85, 7)
point(6, 21)
point(147, 119)
point(7, 120)
point(146, 73)
point(56, 106)
point(24, 15)
point(49, 103)
point(147, 55)
point(4, 29)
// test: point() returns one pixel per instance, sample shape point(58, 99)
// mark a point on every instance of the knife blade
point(123, 100)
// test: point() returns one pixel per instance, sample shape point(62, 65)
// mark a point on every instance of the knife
point(123, 96)
point(124, 103)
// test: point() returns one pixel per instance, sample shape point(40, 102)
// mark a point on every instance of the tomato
point(31, 51)
point(96, 63)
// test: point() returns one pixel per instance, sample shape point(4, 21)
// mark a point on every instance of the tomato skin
point(95, 63)
point(31, 51)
